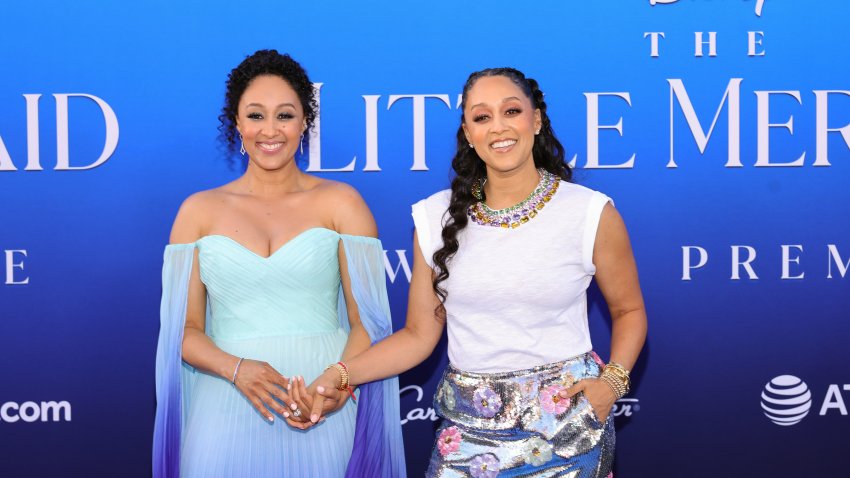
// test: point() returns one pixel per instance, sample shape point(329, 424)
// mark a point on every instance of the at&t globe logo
point(786, 400)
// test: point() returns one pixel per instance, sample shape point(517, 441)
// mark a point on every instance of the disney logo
point(759, 4)
point(417, 413)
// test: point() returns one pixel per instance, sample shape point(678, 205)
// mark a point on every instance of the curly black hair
point(264, 62)
point(547, 152)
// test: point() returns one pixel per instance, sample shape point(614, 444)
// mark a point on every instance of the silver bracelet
point(233, 380)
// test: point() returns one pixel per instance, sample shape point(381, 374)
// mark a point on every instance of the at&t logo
point(786, 400)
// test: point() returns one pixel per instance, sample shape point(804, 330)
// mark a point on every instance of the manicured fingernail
point(271, 418)
point(289, 386)
point(293, 406)
point(320, 389)
point(285, 414)
point(314, 418)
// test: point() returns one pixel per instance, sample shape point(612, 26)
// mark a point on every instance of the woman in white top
point(504, 258)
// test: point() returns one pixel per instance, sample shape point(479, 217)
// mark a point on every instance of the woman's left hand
point(598, 393)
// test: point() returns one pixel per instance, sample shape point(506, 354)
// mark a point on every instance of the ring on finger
point(296, 413)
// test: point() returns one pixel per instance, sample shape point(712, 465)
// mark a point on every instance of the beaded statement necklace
point(515, 216)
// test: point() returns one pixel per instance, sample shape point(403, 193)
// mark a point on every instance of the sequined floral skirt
point(515, 424)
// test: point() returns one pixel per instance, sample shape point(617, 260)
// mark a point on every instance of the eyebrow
point(505, 100)
point(279, 106)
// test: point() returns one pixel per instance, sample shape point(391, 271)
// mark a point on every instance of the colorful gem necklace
point(515, 216)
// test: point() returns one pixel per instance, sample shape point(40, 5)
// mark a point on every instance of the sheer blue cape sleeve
point(171, 371)
point(378, 448)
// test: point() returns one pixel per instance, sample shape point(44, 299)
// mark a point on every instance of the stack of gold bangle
point(343, 375)
point(617, 377)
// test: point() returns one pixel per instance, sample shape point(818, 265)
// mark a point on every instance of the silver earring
point(242, 148)
point(471, 145)
point(536, 132)
point(302, 144)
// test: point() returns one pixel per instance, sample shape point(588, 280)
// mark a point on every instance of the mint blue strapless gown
point(281, 310)
point(287, 310)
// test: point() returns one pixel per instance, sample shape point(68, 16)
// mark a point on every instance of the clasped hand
point(300, 405)
point(314, 401)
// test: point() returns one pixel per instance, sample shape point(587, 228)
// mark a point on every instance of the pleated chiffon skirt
point(225, 436)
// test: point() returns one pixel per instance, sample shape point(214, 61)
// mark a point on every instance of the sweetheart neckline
point(279, 249)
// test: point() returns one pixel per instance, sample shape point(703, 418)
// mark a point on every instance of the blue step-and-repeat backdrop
point(720, 128)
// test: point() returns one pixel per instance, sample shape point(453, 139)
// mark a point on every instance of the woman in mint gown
point(267, 280)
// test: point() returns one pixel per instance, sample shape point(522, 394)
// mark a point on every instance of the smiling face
point(270, 119)
point(500, 122)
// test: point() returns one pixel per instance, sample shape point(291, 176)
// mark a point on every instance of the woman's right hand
point(264, 387)
point(325, 387)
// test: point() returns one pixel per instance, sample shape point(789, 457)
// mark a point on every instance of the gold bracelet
point(617, 377)
point(615, 385)
point(344, 383)
point(343, 375)
point(618, 371)
point(343, 370)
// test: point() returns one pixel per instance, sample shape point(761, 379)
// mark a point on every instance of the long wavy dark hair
point(548, 153)
point(264, 62)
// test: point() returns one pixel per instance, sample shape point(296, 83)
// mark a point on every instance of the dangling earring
point(478, 188)
point(242, 148)
point(302, 144)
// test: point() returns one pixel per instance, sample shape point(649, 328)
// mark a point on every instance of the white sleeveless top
point(517, 297)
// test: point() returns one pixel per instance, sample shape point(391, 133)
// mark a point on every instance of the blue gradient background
point(84, 328)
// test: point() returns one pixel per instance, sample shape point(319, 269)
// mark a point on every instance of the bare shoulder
point(349, 212)
point(612, 229)
point(611, 218)
point(194, 215)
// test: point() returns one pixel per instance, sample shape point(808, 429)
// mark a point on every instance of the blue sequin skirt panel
point(514, 424)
